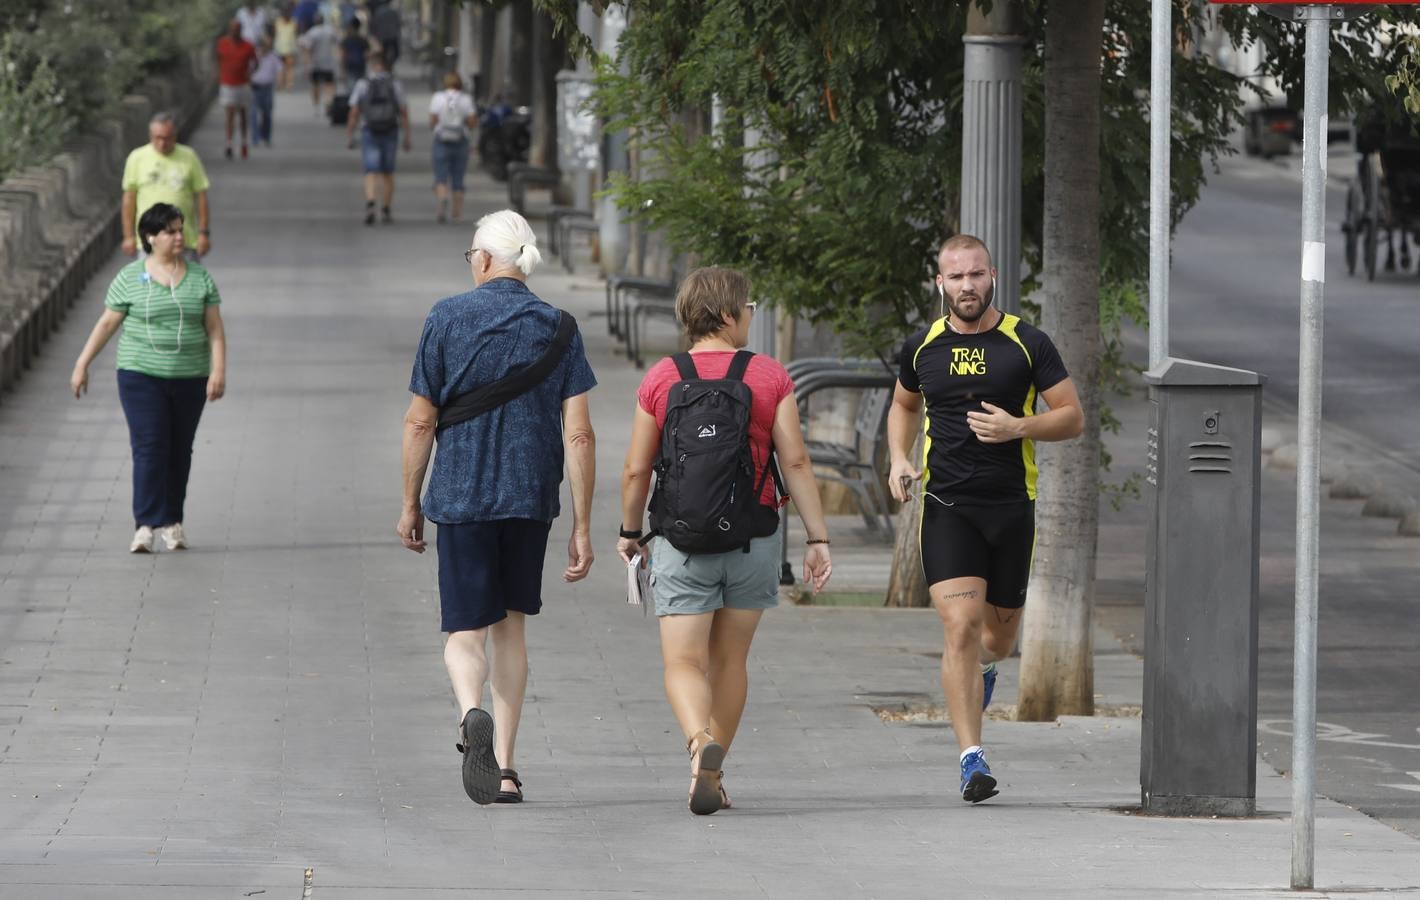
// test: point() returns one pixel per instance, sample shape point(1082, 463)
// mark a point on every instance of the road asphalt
point(266, 714)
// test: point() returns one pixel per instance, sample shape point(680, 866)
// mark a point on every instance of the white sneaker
point(142, 540)
point(173, 536)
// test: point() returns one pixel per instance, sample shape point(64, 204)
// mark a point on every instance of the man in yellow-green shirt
point(164, 171)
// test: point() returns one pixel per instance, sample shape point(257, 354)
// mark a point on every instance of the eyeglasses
point(751, 305)
point(468, 254)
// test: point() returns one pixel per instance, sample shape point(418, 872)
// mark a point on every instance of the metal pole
point(991, 140)
point(614, 232)
point(1318, 19)
point(1160, 197)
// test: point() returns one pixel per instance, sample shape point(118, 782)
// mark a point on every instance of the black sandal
point(513, 796)
point(480, 766)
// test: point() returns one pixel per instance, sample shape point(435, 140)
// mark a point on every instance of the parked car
point(1270, 131)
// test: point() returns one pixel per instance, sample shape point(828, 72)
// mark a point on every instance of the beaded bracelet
point(817, 541)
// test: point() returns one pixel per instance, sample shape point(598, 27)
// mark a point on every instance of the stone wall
point(59, 221)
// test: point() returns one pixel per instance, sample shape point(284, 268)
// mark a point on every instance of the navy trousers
point(162, 418)
point(262, 97)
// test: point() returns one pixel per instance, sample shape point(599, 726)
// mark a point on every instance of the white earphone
point(148, 311)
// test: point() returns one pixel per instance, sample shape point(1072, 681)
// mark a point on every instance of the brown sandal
point(724, 797)
point(706, 795)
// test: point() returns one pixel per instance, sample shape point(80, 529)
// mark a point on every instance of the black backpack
point(380, 105)
point(706, 494)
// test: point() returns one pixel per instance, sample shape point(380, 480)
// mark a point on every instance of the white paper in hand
point(638, 583)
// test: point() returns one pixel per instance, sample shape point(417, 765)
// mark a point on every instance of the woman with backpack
point(709, 424)
point(451, 115)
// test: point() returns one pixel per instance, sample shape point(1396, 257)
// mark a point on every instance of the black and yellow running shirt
point(1007, 366)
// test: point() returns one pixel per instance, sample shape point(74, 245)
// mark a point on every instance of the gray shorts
point(238, 95)
point(691, 584)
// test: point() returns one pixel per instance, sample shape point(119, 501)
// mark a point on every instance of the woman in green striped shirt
point(172, 359)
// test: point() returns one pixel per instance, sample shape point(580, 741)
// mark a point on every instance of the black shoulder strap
point(739, 364)
point(686, 366)
point(491, 396)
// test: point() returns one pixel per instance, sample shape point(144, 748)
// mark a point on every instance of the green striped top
point(164, 331)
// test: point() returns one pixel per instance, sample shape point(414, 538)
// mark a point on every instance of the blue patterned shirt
point(506, 463)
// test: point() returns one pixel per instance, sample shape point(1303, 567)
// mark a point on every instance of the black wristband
point(630, 534)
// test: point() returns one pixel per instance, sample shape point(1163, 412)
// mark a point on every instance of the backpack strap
point(738, 365)
point(686, 367)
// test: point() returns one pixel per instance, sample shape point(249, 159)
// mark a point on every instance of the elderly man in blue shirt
point(495, 485)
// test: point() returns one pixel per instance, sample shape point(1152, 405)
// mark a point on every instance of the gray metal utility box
point(1200, 609)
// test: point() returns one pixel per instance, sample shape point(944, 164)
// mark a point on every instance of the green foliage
point(835, 210)
point(90, 53)
point(839, 220)
point(841, 223)
point(32, 116)
point(1405, 81)
point(1364, 52)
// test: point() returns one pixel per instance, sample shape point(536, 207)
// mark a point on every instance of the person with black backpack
point(378, 102)
point(709, 424)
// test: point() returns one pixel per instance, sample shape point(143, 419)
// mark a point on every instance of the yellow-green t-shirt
point(164, 331)
point(176, 178)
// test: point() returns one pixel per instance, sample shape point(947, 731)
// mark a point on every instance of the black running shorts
point(993, 542)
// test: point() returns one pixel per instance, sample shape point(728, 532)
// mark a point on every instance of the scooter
point(504, 136)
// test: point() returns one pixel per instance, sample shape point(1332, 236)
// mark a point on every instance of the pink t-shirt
point(767, 380)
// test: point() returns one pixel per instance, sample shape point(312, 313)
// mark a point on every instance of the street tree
point(1057, 662)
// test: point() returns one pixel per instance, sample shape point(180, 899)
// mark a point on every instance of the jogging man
point(980, 372)
point(496, 480)
point(164, 171)
point(379, 101)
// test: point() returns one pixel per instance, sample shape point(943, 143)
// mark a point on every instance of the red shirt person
point(235, 60)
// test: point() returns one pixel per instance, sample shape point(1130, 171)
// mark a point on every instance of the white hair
point(508, 238)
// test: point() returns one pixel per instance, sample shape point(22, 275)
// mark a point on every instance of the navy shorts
point(994, 542)
point(489, 568)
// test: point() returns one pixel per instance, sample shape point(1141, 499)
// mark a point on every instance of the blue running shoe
point(977, 783)
point(988, 678)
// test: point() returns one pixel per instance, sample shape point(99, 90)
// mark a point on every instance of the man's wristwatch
point(205, 233)
point(630, 534)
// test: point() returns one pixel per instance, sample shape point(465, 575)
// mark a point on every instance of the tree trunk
point(1057, 661)
point(907, 583)
point(549, 56)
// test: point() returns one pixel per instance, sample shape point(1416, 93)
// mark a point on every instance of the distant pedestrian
point(172, 359)
point(353, 50)
point(284, 43)
point(378, 108)
point(305, 12)
point(348, 13)
point(451, 115)
point(164, 171)
point(254, 21)
point(321, 45)
point(385, 28)
point(494, 489)
point(263, 91)
point(235, 59)
point(709, 423)
point(979, 372)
